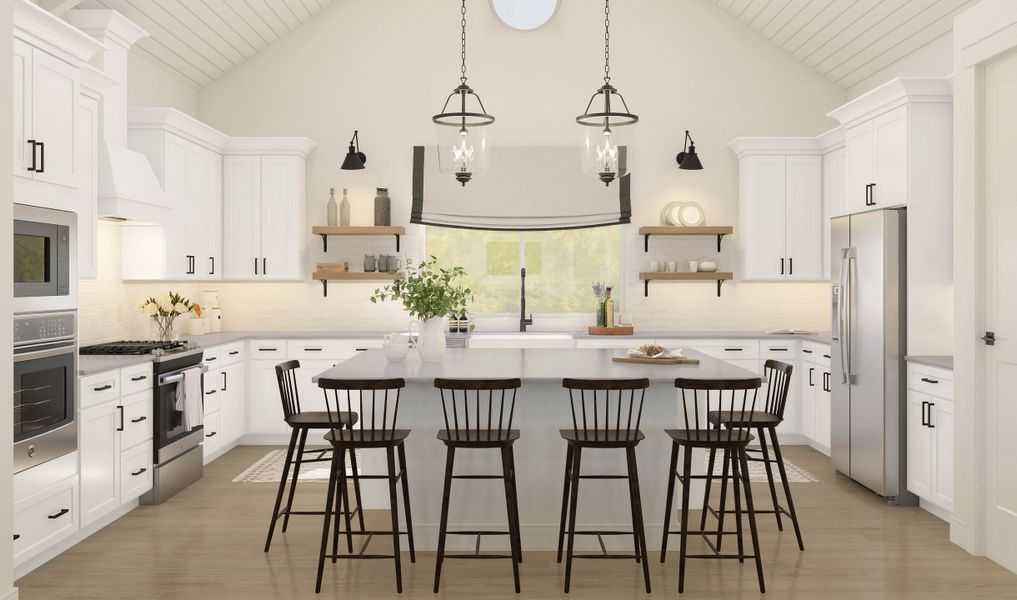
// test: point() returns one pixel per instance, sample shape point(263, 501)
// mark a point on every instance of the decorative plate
point(691, 214)
point(670, 214)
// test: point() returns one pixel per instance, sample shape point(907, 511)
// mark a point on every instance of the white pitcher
point(431, 339)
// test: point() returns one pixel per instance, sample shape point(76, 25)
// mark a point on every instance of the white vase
point(431, 340)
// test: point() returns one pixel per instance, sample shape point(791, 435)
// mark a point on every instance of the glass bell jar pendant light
point(463, 125)
point(607, 130)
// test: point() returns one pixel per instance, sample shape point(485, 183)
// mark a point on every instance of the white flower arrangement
point(165, 309)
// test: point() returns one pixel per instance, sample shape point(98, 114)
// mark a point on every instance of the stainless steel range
point(178, 454)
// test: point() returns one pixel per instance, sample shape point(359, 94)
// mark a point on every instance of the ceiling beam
point(58, 7)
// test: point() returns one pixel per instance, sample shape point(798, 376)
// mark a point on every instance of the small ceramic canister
point(370, 263)
point(672, 266)
point(382, 263)
point(693, 266)
point(654, 266)
point(393, 263)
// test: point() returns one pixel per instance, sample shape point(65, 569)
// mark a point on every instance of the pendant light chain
point(462, 24)
point(607, 41)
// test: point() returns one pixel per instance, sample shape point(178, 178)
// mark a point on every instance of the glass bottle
point(382, 207)
point(344, 211)
point(608, 309)
point(332, 208)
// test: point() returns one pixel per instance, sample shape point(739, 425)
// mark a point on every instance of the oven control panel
point(43, 327)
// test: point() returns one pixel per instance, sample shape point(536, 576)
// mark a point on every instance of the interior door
point(22, 105)
point(804, 213)
point(1000, 156)
point(54, 99)
point(241, 217)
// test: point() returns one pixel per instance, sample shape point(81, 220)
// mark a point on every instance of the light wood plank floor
point(206, 543)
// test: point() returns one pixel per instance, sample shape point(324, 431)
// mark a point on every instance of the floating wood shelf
point(325, 276)
point(325, 231)
point(647, 231)
point(720, 278)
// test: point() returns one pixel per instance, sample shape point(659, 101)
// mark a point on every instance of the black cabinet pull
point(121, 426)
point(312, 349)
point(782, 266)
point(211, 434)
point(267, 349)
point(139, 378)
point(212, 259)
point(811, 371)
point(931, 406)
point(733, 349)
point(138, 472)
point(927, 380)
point(872, 194)
point(826, 356)
point(103, 388)
point(361, 349)
point(778, 349)
point(139, 419)
point(255, 266)
point(791, 266)
point(806, 351)
point(32, 168)
point(234, 353)
point(264, 266)
point(925, 423)
point(17, 536)
point(42, 158)
point(826, 382)
point(63, 511)
point(224, 381)
point(210, 393)
point(211, 358)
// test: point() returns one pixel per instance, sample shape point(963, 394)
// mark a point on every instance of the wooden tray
point(617, 330)
point(681, 360)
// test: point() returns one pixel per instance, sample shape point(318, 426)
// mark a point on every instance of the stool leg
point(723, 499)
point(671, 476)
point(282, 488)
point(296, 474)
point(565, 498)
point(450, 457)
point(356, 487)
point(506, 470)
point(752, 520)
point(406, 500)
point(787, 487)
point(636, 551)
point(736, 476)
point(342, 498)
point(686, 471)
point(393, 498)
point(515, 504)
point(637, 515)
point(326, 522)
point(709, 485)
point(769, 476)
point(573, 500)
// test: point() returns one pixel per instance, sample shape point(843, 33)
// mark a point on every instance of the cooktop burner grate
point(133, 347)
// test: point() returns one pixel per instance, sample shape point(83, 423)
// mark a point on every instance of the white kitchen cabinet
point(44, 518)
point(233, 403)
point(87, 122)
point(815, 398)
point(894, 141)
point(23, 151)
point(212, 442)
point(834, 187)
point(263, 217)
point(99, 455)
point(930, 431)
point(781, 208)
point(225, 402)
point(135, 472)
point(265, 415)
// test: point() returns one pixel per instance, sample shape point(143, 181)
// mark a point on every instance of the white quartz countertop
point(533, 365)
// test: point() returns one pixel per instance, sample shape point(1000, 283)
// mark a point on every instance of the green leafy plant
point(428, 290)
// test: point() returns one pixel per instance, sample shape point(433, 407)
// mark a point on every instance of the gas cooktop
point(136, 347)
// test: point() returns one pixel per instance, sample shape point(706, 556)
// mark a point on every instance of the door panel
point(241, 217)
point(196, 215)
point(891, 133)
point(99, 454)
point(54, 98)
point(919, 446)
point(282, 208)
point(804, 212)
point(177, 195)
point(213, 216)
point(765, 183)
point(942, 478)
point(22, 105)
point(859, 144)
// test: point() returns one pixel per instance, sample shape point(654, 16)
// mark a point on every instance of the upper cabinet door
point(242, 217)
point(282, 216)
point(833, 198)
point(87, 121)
point(213, 262)
point(804, 212)
point(196, 214)
point(860, 147)
point(891, 162)
point(22, 105)
point(175, 163)
point(54, 101)
point(763, 186)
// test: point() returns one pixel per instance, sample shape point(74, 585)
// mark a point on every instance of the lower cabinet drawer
point(135, 472)
point(137, 420)
point(212, 391)
point(213, 440)
point(136, 378)
point(45, 518)
point(737, 350)
point(99, 388)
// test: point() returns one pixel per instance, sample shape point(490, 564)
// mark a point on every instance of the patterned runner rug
point(269, 469)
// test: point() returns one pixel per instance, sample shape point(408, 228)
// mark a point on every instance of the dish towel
point(189, 400)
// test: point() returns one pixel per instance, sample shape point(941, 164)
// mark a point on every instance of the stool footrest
point(603, 476)
point(370, 532)
point(586, 532)
point(728, 556)
point(478, 477)
point(477, 556)
point(603, 556)
point(365, 556)
point(466, 532)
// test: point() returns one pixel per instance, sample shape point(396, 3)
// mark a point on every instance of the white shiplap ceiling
point(202, 39)
point(847, 40)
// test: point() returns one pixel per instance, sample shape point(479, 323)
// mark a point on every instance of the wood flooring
point(206, 544)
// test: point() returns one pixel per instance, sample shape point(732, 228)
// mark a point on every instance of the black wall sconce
point(355, 159)
point(687, 159)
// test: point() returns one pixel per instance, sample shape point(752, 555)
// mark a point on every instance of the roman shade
point(528, 188)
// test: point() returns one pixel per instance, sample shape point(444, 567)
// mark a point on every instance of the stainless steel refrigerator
point(868, 411)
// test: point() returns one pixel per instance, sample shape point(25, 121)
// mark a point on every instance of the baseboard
point(69, 542)
point(11, 595)
point(935, 510)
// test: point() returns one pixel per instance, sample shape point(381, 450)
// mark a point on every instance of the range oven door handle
point(178, 376)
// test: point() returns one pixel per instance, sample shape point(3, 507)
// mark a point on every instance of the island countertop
point(532, 364)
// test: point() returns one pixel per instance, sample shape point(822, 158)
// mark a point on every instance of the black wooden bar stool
point(605, 414)
point(478, 414)
point(301, 423)
point(377, 403)
point(765, 422)
point(699, 398)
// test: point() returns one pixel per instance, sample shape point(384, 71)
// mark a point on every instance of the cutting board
point(681, 360)
point(618, 330)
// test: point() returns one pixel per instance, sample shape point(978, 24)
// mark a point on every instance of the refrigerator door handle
point(841, 314)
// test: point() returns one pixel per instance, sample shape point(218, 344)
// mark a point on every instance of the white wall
point(151, 84)
point(384, 67)
point(6, 306)
point(934, 59)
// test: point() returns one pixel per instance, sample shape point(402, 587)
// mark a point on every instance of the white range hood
point(128, 187)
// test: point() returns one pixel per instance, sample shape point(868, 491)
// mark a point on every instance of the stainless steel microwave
point(45, 251)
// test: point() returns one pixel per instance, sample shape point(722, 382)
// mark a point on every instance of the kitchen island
point(542, 408)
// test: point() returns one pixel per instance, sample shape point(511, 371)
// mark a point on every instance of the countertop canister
point(382, 208)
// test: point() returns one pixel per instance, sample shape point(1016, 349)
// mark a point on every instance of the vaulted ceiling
point(847, 40)
point(844, 40)
point(202, 39)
